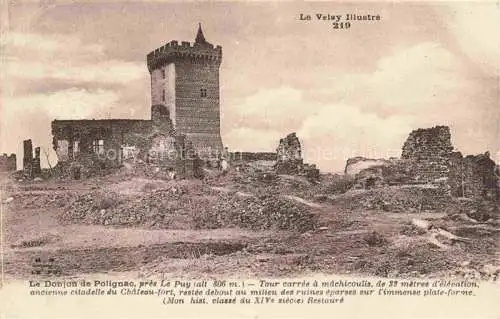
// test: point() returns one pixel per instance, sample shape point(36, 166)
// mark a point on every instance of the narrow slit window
point(163, 95)
point(76, 150)
point(163, 74)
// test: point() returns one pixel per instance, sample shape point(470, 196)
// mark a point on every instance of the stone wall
point(456, 177)
point(27, 156)
point(392, 172)
point(428, 158)
point(75, 139)
point(289, 155)
point(478, 177)
point(357, 164)
point(92, 145)
point(289, 159)
point(185, 78)
point(31, 164)
point(252, 156)
point(197, 114)
point(429, 151)
point(8, 163)
point(163, 87)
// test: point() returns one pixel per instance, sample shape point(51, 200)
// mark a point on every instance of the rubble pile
point(258, 212)
point(35, 199)
point(474, 271)
point(178, 208)
point(160, 208)
point(477, 210)
point(390, 172)
point(409, 198)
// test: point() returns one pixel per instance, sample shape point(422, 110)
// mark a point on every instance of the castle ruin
point(8, 162)
point(428, 157)
point(184, 124)
point(31, 164)
point(289, 158)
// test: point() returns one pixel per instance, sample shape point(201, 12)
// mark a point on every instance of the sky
point(352, 92)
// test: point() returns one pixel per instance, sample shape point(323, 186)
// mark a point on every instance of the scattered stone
point(491, 269)
point(262, 258)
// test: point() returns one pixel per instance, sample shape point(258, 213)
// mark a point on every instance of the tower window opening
point(203, 92)
point(98, 146)
point(76, 150)
point(163, 74)
point(163, 95)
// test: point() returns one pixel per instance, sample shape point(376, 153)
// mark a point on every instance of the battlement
point(174, 51)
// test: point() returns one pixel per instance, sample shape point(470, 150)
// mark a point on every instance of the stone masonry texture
point(428, 157)
point(185, 78)
point(185, 115)
point(8, 162)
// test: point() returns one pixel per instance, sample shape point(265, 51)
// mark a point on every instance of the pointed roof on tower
point(200, 38)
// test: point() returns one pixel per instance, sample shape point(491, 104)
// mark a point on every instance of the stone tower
point(185, 79)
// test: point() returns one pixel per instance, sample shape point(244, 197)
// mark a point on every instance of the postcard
point(242, 159)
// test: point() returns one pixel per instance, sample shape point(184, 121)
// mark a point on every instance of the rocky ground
point(249, 223)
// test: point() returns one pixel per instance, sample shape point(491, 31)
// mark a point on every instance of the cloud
point(366, 114)
point(408, 80)
point(30, 116)
point(54, 44)
point(345, 95)
point(108, 72)
point(276, 108)
point(250, 139)
point(47, 77)
point(475, 29)
point(341, 131)
point(330, 133)
point(72, 103)
point(63, 58)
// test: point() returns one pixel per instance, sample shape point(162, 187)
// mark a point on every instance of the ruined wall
point(27, 156)
point(480, 179)
point(289, 158)
point(289, 149)
point(252, 156)
point(189, 163)
point(473, 176)
point(8, 162)
point(31, 165)
point(429, 151)
point(357, 164)
point(77, 140)
point(289, 155)
point(456, 176)
point(163, 151)
point(428, 158)
point(91, 145)
point(36, 166)
point(392, 172)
